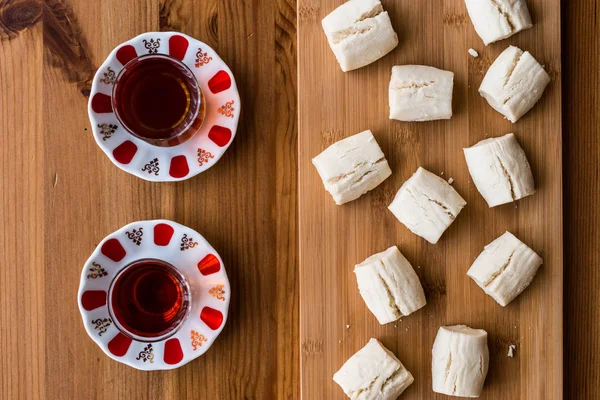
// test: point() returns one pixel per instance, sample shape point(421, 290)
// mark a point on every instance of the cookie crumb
point(511, 350)
point(451, 180)
point(473, 53)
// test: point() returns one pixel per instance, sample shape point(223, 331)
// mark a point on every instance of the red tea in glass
point(157, 99)
point(149, 299)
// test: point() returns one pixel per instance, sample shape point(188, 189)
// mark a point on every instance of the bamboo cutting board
point(334, 321)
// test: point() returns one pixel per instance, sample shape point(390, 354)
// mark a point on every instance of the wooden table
point(61, 195)
point(334, 322)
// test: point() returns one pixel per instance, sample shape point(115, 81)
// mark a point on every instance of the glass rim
point(186, 311)
point(187, 126)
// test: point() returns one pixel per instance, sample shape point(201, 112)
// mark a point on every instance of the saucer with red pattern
point(197, 154)
point(192, 258)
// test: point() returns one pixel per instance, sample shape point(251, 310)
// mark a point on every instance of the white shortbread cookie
point(389, 285)
point(460, 361)
point(351, 167)
point(514, 83)
point(498, 19)
point(500, 170)
point(359, 32)
point(427, 205)
point(505, 268)
point(373, 373)
point(420, 93)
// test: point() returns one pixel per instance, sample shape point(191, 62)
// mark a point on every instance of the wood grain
point(334, 322)
point(581, 110)
point(61, 195)
point(22, 273)
point(31, 258)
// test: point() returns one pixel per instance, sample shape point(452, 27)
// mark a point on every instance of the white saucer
point(205, 148)
point(193, 257)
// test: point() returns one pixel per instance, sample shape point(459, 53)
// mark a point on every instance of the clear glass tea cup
point(149, 300)
point(157, 99)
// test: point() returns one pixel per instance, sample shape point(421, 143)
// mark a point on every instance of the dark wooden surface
point(581, 161)
point(48, 230)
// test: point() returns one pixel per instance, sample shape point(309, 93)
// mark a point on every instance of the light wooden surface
point(29, 325)
point(334, 321)
point(61, 195)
